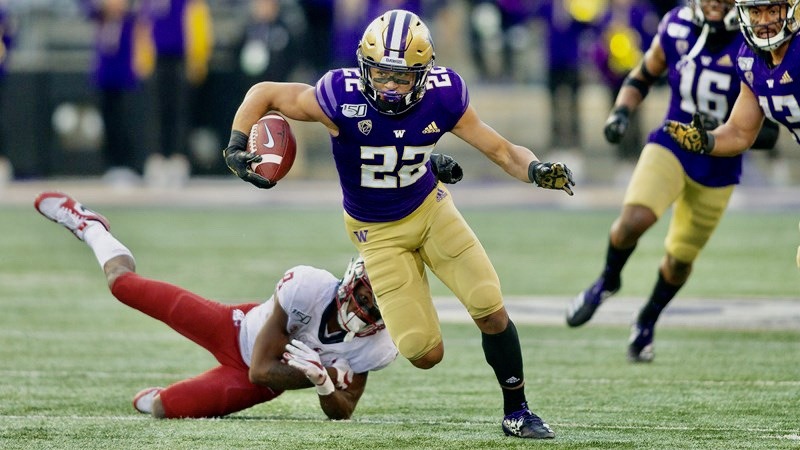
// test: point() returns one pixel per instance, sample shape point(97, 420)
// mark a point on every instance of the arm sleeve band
point(642, 86)
point(646, 73)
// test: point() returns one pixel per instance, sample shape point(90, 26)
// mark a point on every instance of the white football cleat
point(63, 209)
point(143, 400)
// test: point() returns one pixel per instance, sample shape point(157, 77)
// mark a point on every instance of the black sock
point(615, 261)
point(663, 292)
point(504, 355)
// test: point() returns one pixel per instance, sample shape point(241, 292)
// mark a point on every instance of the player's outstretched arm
point(731, 138)
point(516, 160)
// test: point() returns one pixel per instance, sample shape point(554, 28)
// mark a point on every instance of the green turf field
point(72, 357)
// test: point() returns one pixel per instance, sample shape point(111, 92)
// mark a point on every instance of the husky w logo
point(399, 133)
point(361, 235)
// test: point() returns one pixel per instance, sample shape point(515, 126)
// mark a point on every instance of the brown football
point(272, 138)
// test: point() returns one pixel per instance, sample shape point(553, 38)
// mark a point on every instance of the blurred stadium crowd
point(142, 92)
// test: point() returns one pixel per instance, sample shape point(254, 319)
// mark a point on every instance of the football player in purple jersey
point(384, 118)
point(696, 47)
point(768, 66)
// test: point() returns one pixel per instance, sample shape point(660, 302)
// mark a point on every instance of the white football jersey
point(306, 294)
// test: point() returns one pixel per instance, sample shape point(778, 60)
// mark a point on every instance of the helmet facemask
point(786, 26)
point(365, 318)
point(395, 43)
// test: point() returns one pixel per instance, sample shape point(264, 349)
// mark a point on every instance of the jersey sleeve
point(450, 91)
point(672, 29)
point(325, 95)
point(298, 292)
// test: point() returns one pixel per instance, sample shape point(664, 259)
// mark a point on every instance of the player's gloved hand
point(344, 374)
point(446, 169)
point(693, 137)
point(303, 358)
point(617, 124)
point(238, 160)
point(551, 176)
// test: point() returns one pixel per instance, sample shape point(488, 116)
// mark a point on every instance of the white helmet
point(788, 25)
point(366, 319)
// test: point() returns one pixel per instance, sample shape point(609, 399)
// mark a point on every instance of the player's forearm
point(279, 376)
point(732, 141)
point(337, 405)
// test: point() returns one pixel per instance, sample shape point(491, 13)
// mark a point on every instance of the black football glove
point(551, 176)
point(446, 169)
point(617, 124)
point(238, 159)
point(693, 137)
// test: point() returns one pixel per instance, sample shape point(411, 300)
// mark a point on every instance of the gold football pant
point(396, 254)
point(659, 181)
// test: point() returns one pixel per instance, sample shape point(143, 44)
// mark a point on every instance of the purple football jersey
point(708, 83)
point(774, 87)
point(383, 160)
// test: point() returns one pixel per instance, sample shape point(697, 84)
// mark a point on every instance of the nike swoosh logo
point(270, 142)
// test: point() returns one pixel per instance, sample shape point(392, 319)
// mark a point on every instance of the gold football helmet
point(787, 25)
point(398, 41)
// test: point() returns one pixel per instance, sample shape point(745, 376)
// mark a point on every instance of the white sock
point(104, 245)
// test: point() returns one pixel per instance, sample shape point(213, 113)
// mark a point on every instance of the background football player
point(769, 73)
point(696, 47)
point(384, 118)
point(332, 339)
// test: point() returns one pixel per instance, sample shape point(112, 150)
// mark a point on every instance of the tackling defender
point(769, 72)
point(384, 119)
point(696, 46)
point(314, 331)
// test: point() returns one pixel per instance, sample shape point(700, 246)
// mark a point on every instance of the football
point(272, 138)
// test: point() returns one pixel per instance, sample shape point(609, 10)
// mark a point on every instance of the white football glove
point(303, 358)
point(344, 374)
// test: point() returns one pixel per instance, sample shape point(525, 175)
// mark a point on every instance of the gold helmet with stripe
point(399, 43)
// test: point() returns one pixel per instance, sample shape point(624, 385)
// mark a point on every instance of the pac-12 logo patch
point(365, 126)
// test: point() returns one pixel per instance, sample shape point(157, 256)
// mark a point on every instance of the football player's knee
point(430, 359)
point(684, 252)
point(423, 351)
point(484, 300)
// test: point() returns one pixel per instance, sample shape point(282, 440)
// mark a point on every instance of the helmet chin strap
point(350, 323)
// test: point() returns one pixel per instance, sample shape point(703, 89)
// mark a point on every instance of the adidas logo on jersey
point(725, 61)
point(785, 79)
point(431, 128)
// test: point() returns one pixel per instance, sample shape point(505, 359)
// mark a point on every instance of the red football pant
point(222, 390)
